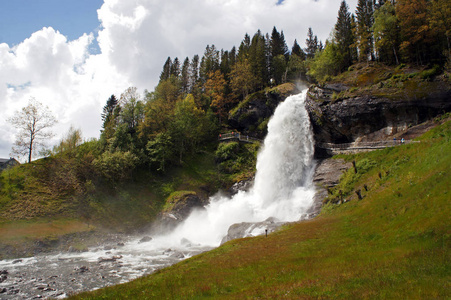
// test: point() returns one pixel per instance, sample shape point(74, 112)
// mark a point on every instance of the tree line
point(390, 32)
point(191, 102)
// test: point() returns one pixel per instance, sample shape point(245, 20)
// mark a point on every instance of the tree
point(185, 75)
point(215, 88)
point(241, 78)
point(109, 117)
point(311, 43)
point(297, 50)
point(32, 122)
point(344, 36)
point(70, 142)
point(364, 22)
point(417, 38)
point(166, 69)
point(326, 62)
point(257, 59)
point(440, 21)
point(386, 33)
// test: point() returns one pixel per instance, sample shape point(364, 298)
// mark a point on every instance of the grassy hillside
point(62, 198)
point(392, 244)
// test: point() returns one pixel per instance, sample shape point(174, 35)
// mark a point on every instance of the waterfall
point(282, 190)
point(283, 183)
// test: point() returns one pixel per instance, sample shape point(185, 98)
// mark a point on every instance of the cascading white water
point(283, 183)
point(282, 189)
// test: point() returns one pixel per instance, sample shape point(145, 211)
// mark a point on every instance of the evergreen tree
point(108, 109)
point(257, 59)
point(278, 44)
point(175, 68)
point(185, 76)
point(278, 56)
point(194, 74)
point(209, 63)
point(166, 69)
point(297, 50)
point(364, 23)
point(311, 43)
point(110, 114)
point(243, 50)
point(344, 36)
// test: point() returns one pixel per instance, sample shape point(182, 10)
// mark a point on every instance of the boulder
point(179, 207)
point(247, 229)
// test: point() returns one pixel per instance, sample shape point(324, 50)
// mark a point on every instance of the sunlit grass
point(392, 244)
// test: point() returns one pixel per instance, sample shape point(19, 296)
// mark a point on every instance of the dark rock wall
point(369, 118)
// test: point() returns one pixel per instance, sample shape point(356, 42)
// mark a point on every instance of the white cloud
point(135, 38)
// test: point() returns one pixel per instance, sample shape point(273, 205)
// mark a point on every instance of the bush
point(117, 166)
point(227, 151)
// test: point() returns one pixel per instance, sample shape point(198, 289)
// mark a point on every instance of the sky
point(73, 55)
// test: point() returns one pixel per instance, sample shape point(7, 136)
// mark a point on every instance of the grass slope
point(392, 244)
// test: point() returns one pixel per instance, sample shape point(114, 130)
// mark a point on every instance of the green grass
point(393, 244)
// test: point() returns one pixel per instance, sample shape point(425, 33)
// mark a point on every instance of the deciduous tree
point(33, 122)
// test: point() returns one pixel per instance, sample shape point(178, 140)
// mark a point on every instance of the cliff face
point(252, 115)
point(369, 118)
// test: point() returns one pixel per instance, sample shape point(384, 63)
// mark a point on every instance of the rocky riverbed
point(59, 274)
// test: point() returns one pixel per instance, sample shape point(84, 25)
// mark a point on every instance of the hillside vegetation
point(392, 244)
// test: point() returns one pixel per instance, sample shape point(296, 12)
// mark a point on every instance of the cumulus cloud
point(135, 38)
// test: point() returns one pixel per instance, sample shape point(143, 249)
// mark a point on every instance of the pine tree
point(343, 35)
point(243, 50)
point(175, 68)
point(194, 74)
point(257, 59)
point(185, 76)
point(364, 23)
point(166, 69)
point(297, 50)
point(209, 62)
point(311, 43)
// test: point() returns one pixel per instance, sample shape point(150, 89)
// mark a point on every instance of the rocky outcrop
point(246, 229)
point(327, 175)
point(180, 207)
point(258, 108)
point(369, 118)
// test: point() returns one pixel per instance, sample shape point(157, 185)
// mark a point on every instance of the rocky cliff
point(368, 117)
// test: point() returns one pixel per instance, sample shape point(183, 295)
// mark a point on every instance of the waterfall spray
point(283, 183)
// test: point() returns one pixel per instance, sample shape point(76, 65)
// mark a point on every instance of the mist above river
point(282, 191)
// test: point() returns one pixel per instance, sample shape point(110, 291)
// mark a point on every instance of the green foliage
point(116, 166)
point(227, 151)
point(430, 73)
point(326, 63)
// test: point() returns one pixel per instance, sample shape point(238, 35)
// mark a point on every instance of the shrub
point(117, 166)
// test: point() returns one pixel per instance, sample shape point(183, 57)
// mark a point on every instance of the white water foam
point(283, 184)
point(283, 189)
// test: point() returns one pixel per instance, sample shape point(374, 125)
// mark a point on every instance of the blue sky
point(20, 18)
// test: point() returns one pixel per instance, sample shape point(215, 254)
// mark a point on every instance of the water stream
point(282, 191)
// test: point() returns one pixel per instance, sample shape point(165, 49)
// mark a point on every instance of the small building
point(7, 162)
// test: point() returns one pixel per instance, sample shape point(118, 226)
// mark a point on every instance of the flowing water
point(282, 191)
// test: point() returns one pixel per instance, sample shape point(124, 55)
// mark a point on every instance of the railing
point(238, 137)
point(365, 145)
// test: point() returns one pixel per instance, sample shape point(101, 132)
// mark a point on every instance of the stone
point(145, 239)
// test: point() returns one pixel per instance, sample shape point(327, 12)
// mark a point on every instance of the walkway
point(362, 146)
point(238, 137)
